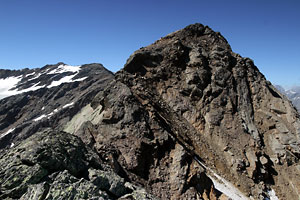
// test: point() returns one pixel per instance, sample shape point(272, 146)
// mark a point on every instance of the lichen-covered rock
point(108, 181)
point(40, 155)
point(57, 165)
point(66, 186)
point(36, 191)
point(138, 193)
point(16, 178)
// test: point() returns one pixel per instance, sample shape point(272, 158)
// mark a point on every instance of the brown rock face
point(188, 99)
point(141, 147)
point(220, 108)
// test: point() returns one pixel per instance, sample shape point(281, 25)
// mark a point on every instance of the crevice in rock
point(273, 92)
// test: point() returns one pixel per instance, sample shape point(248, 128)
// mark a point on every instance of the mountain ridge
point(18, 81)
point(186, 118)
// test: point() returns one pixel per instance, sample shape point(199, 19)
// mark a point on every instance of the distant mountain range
point(14, 82)
point(293, 94)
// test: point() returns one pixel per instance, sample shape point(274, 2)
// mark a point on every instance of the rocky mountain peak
point(219, 106)
point(189, 44)
point(186, 118)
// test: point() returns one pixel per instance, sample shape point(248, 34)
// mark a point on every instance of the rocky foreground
point(186, 118)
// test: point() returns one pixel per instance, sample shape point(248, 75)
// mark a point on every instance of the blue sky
point(39, 32)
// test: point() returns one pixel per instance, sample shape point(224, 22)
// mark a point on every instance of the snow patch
point(223, 185)
point(39, 118)
point(68, 105)
point(7, 132)
point(47, 115)
point(35, 77)
point(53, 112)
point(34, 87)
point(30, 74)
point(7, 84)
point(272, 195)
point(64, 68)
point(66, 79)
point(80, 79)
point(226, 187)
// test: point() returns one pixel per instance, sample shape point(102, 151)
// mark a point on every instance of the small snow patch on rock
point(68, 105)
point(39, 118)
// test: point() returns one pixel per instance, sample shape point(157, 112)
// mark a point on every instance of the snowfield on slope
point(8, 86)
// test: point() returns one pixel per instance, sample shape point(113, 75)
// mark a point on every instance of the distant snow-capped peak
point(50, 76)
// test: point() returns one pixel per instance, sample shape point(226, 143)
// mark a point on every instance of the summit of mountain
point(186, 118)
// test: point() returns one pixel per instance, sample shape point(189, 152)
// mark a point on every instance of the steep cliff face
point(221, 108)
point(141, 146)
point(186, 118)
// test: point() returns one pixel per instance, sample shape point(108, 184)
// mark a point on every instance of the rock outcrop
point(186, 118)
point(58, 165)
point(221, 108)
